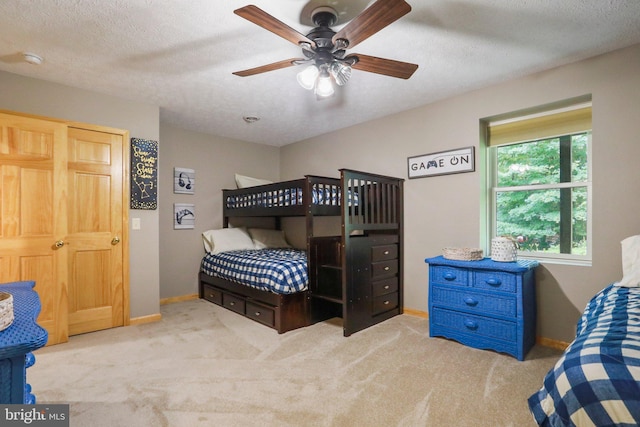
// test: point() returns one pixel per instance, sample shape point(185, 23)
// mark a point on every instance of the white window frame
point(491, 209)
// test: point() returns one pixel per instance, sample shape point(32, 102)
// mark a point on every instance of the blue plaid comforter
point(283, 271)
point(596, 382)
point(326, 195)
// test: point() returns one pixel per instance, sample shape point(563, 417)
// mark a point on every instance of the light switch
point(135, 223)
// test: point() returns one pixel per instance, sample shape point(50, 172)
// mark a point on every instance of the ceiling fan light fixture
point(307, 77)
point(326, 48)
point(324, 85)
point(340, 72)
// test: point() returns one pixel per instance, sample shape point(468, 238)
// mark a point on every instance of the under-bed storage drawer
point(260, 313)
point(212, 294)
point(233, 302)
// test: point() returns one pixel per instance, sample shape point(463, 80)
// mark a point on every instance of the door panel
point(41, 269)
point(35, 206)
point(33, 156)
point(95, 268)
point(92, 199)
point(96, 282)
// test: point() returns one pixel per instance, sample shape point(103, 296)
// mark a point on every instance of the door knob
point(59, 244)
point(115, 240)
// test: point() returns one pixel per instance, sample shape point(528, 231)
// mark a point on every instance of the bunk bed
point(355, 274)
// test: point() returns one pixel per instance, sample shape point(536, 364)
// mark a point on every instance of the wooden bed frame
point(282, 312)
point(356, 274)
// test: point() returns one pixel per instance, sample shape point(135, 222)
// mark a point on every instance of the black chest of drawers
point(366, 287)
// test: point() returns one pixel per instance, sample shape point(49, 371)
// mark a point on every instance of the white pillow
point(243, 181)
point(265, 238)
point(227, 239)
point(630, 262)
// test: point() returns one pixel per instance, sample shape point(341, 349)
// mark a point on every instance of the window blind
point(540, 126)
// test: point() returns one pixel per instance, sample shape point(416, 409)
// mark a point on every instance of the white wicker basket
point(462, 254)
point(504, 249)
point(6, 310)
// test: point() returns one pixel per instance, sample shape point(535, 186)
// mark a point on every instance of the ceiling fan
point(325, 50)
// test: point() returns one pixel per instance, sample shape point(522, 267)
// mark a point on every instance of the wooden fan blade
point(269, 67)
point(387, 67)
point(373, 19)
point(260, 17)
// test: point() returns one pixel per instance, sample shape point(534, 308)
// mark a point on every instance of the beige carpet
point(205, 366)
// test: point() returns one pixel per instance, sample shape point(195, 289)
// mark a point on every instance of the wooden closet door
point(95, 230)
point(33, 158)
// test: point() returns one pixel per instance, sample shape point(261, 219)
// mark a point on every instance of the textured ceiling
point(179, 55)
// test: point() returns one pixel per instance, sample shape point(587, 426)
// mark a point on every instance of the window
point(539, 188)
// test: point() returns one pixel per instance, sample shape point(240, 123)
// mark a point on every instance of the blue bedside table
point(484, 304)
point(18, 341)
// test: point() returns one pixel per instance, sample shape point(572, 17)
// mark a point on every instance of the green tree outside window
point(541, 194)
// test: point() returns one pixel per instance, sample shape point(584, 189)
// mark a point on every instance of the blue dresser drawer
point(495, 281)
point(478, 302)
point(449, 275)
point(474, 325)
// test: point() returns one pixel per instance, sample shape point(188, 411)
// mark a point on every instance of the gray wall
point(445, 210)
point(216, 160)
point(26, 95)
point(439, 211)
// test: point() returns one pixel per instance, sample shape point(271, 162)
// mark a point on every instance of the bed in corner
point(266, 285)
point(355, 274)
point(596, 382)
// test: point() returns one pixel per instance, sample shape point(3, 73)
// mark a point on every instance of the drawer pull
point(387, 268)
point(386, 287)
point(212, 295)
point(471, 324)
point(387, 302)
point(232, 303)
point(449, 276)
point(494, 282)
point(386, 252)
point(257, 313)
point(471, 301)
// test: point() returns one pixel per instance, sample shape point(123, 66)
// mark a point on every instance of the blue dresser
point(17, 342)
point(484, 304)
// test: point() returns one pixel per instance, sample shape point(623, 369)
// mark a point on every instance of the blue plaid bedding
point(283, 271)
point(596, 382)
point(327, 195)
